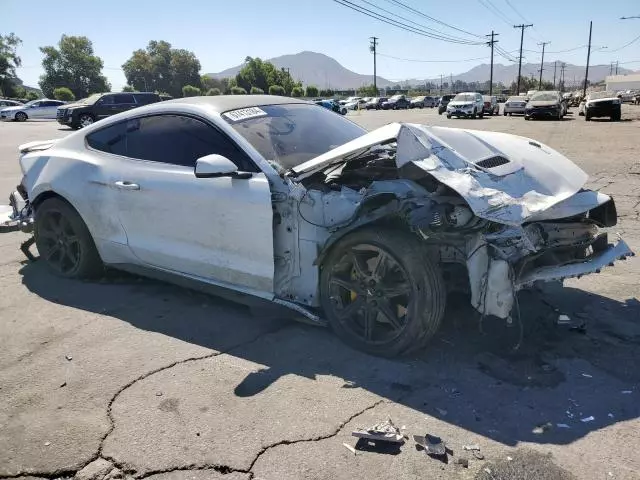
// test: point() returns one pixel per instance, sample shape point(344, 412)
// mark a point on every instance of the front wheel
point(481, 115)
point(474, 114)
point(381, 293)
point(21, 117)
point(64, 242)
point(448, 115)
point(505, 114)
point(85, 120)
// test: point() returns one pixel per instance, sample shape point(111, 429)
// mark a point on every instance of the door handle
point(123, 185)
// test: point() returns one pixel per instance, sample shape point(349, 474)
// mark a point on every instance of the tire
point(85, 120)
point(64, 242)
point(448, 115)
point(510, 114)
point(408, 319)
point(481, 115)
point(474, 114)
point(504, 113)
point(587, 117)
point(527, 117)
point(616, 117)
point(21, 117)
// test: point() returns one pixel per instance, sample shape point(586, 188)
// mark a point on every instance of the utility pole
point(521, 27)
point(441, 84)
point(586, 72)
point(617, 66)
point(555, 67)
point(542, 64)
point(562, 67)
point(451, 81)
point(490, 43)
point(372, 48)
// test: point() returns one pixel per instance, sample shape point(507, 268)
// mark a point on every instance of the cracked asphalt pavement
point(132, 378)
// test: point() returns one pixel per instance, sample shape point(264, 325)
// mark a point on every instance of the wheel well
point(36, 202)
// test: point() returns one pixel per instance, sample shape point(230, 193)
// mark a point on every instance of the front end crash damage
point(505, 210)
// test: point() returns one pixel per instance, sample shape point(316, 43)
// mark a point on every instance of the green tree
point(209, 82)
point(128, 88)
point(258, 73)
point(297, 92)
point(326, 92)
point(9, 60)
point(19, 92)
point(238, 91)
point(213, 91)
point(276, 90)
point(64, 94)
point(73, 65)
point(32, 95)
point(162, 68)
point(256, 91)
point(368, 91)
point(310, 92)
point(190, 91)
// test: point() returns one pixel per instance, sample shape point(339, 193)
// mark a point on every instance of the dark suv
point(444, 101)
point(102, 105)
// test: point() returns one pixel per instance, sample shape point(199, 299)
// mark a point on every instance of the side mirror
point(214, 166)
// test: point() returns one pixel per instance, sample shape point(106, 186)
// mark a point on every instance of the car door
point(218, 229)
point(123, 102)
point(104, 107)
point(49, 108)
point(35, 110)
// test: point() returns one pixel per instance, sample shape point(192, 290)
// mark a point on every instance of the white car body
point(515, 104)
point(466, 107)
point(4, 103)
point(36, 109)
point(266, 233)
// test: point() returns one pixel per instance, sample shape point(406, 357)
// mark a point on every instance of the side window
point(181, 141)
point(123, 98)
point(106, 100)
point(111, 139)
point(145, 99)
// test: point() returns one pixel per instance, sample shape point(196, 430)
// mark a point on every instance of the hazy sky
point(222, 32)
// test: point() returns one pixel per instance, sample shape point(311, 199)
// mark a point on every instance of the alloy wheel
point(370, 294)
point(86, 120)
point(59, 243)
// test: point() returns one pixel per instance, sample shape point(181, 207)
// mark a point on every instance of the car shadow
point(495, 378)
point(608, 120)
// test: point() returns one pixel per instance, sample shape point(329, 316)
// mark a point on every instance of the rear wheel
point(504, 113)
point(587, 117)
point(474, 114)
point(64, 242)
point(381, 293)
point(21, 117)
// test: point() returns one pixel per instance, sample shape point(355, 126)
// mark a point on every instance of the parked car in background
point(627, 96)
point(375, 103)
point(331, 105)
point(544, 104)
point(35, 109)
point(466, 104)
point(396, 102)
point(356, 104)
point(603, 104)
point(102, 105)
point(491, 106)
point(444, 101)
point(4, 103)
point(422, 102)
point(515, 104)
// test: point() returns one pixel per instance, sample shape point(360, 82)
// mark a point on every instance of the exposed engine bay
point(441, 186)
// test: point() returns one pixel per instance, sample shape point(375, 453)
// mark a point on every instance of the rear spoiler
point(36, 146)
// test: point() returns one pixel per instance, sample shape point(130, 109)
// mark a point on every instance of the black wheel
point(527, 117)
point(381, 293)
point(481, 114)
point(21, 117)
point(474, 114)
point(587, 117)
point(448, 115)
point(504, 113)
point(64, 242)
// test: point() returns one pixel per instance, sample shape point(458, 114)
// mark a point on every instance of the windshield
point(91, 99)
point(289, 135)
point(396, 97)
point(464, 97)
point(31, 103)
point(515, 99)
point(606, 94)
point(419, 99)
point(544, 97)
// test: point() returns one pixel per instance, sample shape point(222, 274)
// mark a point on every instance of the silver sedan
point(514, 105)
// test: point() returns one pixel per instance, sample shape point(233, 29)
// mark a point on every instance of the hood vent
point(492, 162)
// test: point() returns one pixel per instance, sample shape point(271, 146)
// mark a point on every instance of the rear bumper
point(17, 216)
point(605, 111)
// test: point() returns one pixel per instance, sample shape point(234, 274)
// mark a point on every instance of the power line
point(432, 30)
point(406, 7)
point(400, 25)
point(491, 7)
point(520, 15)
point(625, 45)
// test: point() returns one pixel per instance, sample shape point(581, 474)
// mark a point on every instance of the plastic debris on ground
point(562, 425)
point(68, 357)
point(384, 431)
point(587, 419)
point(350, 448)
point(540, 429)
point(564, 320)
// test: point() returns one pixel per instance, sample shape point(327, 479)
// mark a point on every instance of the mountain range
point(318, 69)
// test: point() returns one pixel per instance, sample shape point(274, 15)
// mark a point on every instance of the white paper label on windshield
point(244, 113)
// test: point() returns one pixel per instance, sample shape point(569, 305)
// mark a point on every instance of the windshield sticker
point(244, 114)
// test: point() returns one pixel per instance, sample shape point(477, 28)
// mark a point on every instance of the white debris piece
point(350, 448)
point(385, 431)
point(588, 419)
point(563, 319)
point(562, 425)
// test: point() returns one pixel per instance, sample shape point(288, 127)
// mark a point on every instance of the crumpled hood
point(504, 178)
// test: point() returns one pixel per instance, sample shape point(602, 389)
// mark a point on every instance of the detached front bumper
point(17, 216)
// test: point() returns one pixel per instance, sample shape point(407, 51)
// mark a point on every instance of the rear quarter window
point(112, 139)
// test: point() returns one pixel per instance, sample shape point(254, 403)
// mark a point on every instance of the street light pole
point(586, 73)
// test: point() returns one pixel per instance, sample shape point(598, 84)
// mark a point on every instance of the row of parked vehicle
point(78, 114)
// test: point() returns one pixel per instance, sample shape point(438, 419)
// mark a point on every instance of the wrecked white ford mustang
point(287, 201)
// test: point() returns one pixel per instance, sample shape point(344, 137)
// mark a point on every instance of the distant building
point(623, 82)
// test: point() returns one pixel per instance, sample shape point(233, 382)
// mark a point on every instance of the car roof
point(224, 103)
